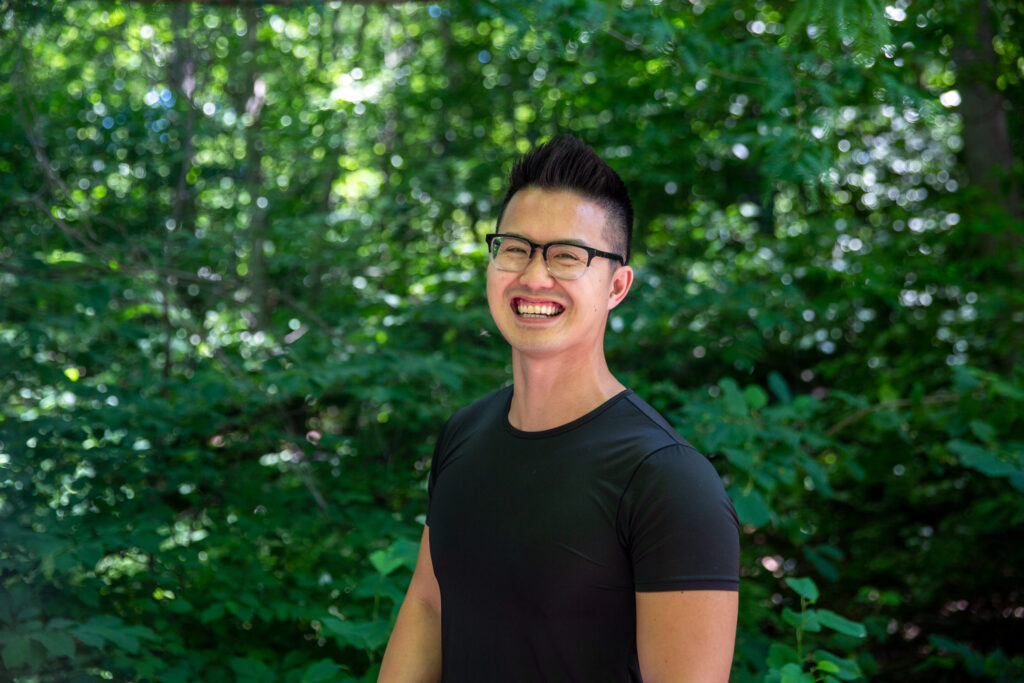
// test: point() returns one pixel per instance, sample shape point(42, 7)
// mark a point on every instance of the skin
point(560, 374)
point(558, 366)
point(413, 654)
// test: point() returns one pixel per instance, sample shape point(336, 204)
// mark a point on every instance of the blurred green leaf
point(804, 587)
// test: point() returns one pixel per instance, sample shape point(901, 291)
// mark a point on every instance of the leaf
point(806, 620)
point(252, 669)
point(212, 613)
point(740, 458)
point(114, 631)
point(981, 459)
point(755, 397)
point(58, 623)
point(848, 669)
point(984, 431)
point(385, 561)
point(817, 474)
point(750, 506)
point(780, 654)
point(57, 643)
point(831, 620)
point(735, 403)
point(792, 673)
point(828, 667)
point(362, 635)
point(1001, 387)
point(779, 387)
point(324, 670)
point(16, 653)
point(805, 588)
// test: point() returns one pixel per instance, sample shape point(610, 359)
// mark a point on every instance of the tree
point(240, 262)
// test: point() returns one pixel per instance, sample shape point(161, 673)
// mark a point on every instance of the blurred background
point(241, 288)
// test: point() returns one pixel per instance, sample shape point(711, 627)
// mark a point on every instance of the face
point(538, 314)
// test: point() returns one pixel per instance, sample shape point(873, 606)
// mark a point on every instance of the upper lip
point(531, 300)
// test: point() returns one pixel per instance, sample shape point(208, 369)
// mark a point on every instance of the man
point(571, 534)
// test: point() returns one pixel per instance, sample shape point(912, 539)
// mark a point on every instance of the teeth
point(541, 310)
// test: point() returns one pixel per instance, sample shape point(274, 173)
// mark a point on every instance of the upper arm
point(423, 586)
point(684, 636)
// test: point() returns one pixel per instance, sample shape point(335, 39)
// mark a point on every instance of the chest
point(534, 522)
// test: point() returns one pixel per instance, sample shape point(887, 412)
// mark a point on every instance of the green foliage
point(241, 288)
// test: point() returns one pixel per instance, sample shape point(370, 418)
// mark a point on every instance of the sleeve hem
point(698, 583)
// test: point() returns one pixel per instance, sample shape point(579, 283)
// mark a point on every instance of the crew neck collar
point(561, 429)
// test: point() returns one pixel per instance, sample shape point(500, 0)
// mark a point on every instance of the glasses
point(564, 261)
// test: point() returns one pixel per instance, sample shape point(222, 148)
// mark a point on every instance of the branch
point(941, 397)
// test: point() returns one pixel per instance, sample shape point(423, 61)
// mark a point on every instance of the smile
point(527, 309)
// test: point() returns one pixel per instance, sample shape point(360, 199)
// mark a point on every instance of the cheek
point(494, 288)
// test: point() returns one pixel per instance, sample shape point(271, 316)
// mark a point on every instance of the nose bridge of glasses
point(530, 268)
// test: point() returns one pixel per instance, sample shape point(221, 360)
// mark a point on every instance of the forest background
point(241, 267)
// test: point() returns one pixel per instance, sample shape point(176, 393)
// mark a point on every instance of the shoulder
point(634, 417)
point(484, 410)
point(671, 475)
point(483, 414)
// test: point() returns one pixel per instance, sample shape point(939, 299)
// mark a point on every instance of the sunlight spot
point(950, 99)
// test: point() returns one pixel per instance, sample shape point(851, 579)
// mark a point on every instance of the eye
point(513, 249)
point(568, 256)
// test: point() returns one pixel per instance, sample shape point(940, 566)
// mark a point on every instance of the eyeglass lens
point(564, 261)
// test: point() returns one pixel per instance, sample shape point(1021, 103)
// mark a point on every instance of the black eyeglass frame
point(591, 252)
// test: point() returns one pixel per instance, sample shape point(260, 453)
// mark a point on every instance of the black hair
point(565, 163)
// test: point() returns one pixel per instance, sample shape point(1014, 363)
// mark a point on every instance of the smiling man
point(572, 534)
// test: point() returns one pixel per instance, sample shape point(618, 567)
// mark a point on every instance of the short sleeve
point(436, 465)
point(679, 525)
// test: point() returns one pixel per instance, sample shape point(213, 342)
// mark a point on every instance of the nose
point(536, 274)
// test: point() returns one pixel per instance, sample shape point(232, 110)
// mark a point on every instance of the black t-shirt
point(540, 539)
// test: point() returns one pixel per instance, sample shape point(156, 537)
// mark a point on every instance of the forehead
point(555, 215)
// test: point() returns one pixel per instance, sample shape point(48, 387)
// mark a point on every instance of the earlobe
point(622, 279)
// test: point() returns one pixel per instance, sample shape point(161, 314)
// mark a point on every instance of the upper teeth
point(537, 309)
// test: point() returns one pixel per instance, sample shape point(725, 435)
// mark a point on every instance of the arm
point(684, 636)
point(413, 654)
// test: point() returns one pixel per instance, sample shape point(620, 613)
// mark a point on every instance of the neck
point(550, 392)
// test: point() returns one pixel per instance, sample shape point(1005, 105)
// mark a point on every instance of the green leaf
point(755, 397)
point(840, 624)
point(848, 669)
point(779, 387)
point(750, 506)
point(792, 673)
point(821, 556)
point(324, 670)
point(827, 667)
point(57, 643)
point(805, 588)
point(113, 630)
point(363, 635)
point(981, 459)
point(385, 561)
point(735, 402)
point(806, 620)
point(212, 613)
point(1001, 387)
point(984, 431)
point(780, 654)
point(252, 670)
point(16, 653)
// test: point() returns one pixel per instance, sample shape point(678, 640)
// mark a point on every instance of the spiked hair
point(565, 163)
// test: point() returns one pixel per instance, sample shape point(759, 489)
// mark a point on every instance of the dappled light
point(241, 289)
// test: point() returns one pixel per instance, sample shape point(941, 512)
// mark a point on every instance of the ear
point(622, 279)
